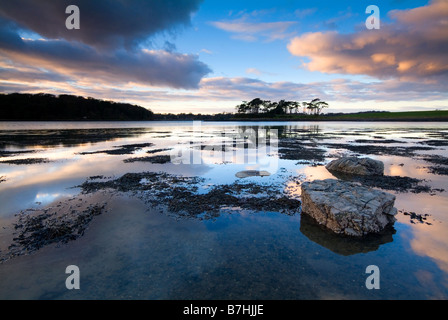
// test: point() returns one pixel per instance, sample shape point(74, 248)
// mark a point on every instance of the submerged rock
point(348, 208)
point(357, 166)
point(252, 173)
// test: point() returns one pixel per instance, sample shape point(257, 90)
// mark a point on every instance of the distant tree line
point(190, 116)
point(44, 106)
point(48, 107)
point(257, 106)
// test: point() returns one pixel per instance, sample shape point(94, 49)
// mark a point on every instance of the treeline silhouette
point(190, 116)
point(44, 106)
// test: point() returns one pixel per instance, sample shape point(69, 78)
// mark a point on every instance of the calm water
point(137, 252)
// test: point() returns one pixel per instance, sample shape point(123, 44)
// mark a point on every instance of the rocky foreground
point(348, 208)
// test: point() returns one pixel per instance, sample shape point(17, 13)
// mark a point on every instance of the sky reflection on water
point(240, 255)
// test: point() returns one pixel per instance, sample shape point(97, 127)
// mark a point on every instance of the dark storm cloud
point(104, 23)
point(105, 48)
point(77, 61)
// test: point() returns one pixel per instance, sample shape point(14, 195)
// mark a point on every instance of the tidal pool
point(139, 248)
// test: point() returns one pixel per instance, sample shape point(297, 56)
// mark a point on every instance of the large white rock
point(348, 208)
point(357, 166)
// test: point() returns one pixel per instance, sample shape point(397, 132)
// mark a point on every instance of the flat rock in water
point(252, 173)
point(348, 208)
point(356, 166)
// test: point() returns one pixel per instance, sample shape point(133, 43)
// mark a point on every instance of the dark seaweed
point(26, 161)
point(123, 149)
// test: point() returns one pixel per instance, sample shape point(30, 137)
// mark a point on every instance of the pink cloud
point(414, 45)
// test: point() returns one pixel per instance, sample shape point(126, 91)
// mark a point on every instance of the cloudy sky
point(208, 55)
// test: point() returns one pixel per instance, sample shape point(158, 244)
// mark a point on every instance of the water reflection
point(427, 240)
point(73, 150)
point(66, 138)
point(341, 244)
point(431, 242)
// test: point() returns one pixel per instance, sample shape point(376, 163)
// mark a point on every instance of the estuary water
point(138, 250)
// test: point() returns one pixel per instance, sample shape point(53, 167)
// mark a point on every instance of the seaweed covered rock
point(348, 208)
point(357, 166)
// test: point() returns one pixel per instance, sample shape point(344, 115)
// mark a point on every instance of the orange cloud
point(414, 45)
point(386, 58)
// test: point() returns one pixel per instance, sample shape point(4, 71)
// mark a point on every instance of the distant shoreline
point(47, 107)
point(373, 116)
point(407, 116)
point(236, 120)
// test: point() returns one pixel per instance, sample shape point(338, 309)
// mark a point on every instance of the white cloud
point(206, 51)
point(245, 29)
point(302, 13)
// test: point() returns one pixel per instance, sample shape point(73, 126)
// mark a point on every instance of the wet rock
point(394, 183)
point(348, 208)
point(4, 153)
point(180, 195)
point(440, 166)
point(96, 177)
point(252, 173)
point(380, 140)
point(144, 181)
point(416, 217)
point(161, 159)
point(40, 228)
point(402, 151)
point(357, 166)
point(440, 170)
point(231, 197)
point(158, 150)
point(292, 149)
point(435, 159)
point(436, 143)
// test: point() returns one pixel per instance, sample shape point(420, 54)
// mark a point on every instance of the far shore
point(436, 115)
point(371, 116)
point(49, 107)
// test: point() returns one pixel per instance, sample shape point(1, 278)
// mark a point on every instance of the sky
point(206, 56)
